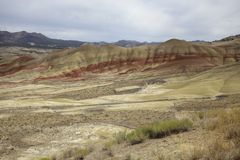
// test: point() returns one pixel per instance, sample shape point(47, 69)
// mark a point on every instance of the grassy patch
point(48, 158)
point(74, 154)
point(121, 136)
point(155, 130)
point(227, 147)
point(137, 136)
point(165, 128)
point(45, 158)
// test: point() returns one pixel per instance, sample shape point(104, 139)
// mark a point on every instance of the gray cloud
point(108, 20)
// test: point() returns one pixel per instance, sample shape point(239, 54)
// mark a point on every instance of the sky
point(112, 20)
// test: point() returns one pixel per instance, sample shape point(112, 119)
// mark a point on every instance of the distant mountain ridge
point(38, 40)
point(25, 39)
point(229, 38)
point(132, 43)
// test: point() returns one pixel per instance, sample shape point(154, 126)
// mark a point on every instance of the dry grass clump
point(75, 154)
point(227, 147)
point(117, 139)
point(47, 158)
point(165, 128)
point(121, 136)
point(137, 136)
point(71, 154)
point(225, 121)
point(154, 130)
point(216, 149)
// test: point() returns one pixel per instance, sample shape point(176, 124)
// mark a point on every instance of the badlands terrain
point(90, 102)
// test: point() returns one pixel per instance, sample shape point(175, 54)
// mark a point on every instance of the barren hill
point(173, 55)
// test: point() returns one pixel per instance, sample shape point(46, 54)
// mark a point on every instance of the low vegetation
point(73, 154)
point(227, 145)
point(46, 158)
point(223, 123)
point(154, 130)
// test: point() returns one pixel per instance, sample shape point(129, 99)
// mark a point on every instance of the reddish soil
point(15, 66)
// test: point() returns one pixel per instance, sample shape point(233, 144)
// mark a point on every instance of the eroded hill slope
point(175, 56)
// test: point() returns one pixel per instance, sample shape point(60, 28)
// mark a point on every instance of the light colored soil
point(27, 134)
point(43, 119)
point(175, 146)
point(51, 141)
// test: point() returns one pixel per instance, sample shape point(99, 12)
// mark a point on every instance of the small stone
point(10, 148)
point(78, 133)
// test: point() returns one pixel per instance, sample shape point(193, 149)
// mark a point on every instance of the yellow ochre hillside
point(174, 55)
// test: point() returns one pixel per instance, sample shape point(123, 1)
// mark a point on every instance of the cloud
point(108, 20)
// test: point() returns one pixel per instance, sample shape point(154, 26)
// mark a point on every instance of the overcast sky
point(112, 20)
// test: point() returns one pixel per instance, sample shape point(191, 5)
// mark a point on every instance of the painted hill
point(221, 80)
point(173, 53)
point(173, 56)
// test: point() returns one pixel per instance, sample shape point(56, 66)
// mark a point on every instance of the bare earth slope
point(172, 56)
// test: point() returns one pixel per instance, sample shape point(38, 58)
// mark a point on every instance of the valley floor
point(53, 119)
